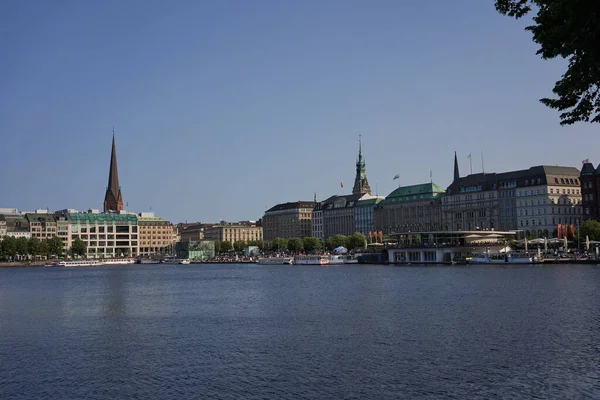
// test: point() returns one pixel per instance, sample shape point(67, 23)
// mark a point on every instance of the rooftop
point(423, 191)
point(89, 218)
point(292, 205)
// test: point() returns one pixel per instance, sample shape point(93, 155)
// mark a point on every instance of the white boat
point(275, 260)
point(511, 257)
point(311, 260)
point(78, 263)
point(350, 259)
point(149, 261)
point(335, 259)
point(185, 262)
point(116, 261)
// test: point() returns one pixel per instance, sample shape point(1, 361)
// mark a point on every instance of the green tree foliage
point(55, 246)
point(591, 229)
point(312, 243)
point(9, 246)
point(569, 29)
point(239, 245)
point(217, 246)
point(355, 241)
point(78, 248)
point(44, 248)
point(278, 244)
point(226, 245)
point(295, 245)
point(22, 246)
point(34, 245)
point(337, 241)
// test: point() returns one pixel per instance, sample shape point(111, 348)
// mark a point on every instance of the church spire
point(361, 185)
point(113, 201)
point(456, 173)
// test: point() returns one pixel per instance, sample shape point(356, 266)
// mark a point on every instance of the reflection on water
point(285, 332)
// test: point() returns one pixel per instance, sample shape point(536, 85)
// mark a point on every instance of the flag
point(469, 156)
point(341, 184)
point(587, 160)
point(396, 177)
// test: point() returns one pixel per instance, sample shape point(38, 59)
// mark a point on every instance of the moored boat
point(116, 261)
point(185, 262)
point(78, 263)
point(311, 260)
point(336, 259)
point(510, 257)
point(350, 259)
point(275, 260)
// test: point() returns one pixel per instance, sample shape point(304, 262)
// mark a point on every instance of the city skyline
point(270, 108)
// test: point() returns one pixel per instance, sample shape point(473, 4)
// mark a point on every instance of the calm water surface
point(284, 332)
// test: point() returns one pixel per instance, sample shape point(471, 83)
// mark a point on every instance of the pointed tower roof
point(113, 200)
point(361, 185)
point(456, 173)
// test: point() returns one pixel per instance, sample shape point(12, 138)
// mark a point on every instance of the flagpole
point(471, 163)
point(482, 168)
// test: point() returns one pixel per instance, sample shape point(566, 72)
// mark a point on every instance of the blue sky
point(223, 109)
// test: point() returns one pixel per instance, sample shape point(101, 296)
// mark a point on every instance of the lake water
point(287, 332)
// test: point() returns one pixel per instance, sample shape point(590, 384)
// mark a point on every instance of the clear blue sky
point(225, 108)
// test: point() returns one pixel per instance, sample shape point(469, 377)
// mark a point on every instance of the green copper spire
point(361, 185)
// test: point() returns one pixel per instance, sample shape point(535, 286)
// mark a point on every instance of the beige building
point(288, 220)
point(415, 208)
point(234, 231)
point(2, 226)
point(41, 226)
point(534, 200)
point(105, 234)
point(156, 236)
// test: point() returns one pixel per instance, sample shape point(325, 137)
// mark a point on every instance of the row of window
point(554, 221)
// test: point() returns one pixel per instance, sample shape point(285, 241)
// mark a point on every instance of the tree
point(278, 244)
point(312, 243)
point(226, 246)
point(217, 246)
point(22, 246)
point(295, 245)
point(34, 246)
point(78, 248)
point(44, 248)
point(568, 29)
point(355, 241)
point(336, 241)
point(55, 246)
point(9, 246)
point(239, 245)
point(591, 229)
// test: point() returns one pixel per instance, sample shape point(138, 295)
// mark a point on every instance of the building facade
point(364, 213)
point(590, 191)
point(2, 226)
point(106, 235)
point(288, 220)
point(232, 232)
point(201, 250)
point(316, 224)
point(338, 215)
point(534, 200)
point(17, 225)
point(41, 226)
point(415, 208)
point(156, 236)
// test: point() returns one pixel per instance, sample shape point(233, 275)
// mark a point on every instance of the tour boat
point(335, 259)
point(148, 261)
point(350, 259)
point(275, 260)
point(116, 261)
point(511, 257)
point(185, 262)
point(78, 263)
point(311, 260)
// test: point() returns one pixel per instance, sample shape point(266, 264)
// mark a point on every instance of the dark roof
point(16, 222)
point(537, 175)
point(588, 169)
point(44, 218)
point(348, 201)
point(292, 205)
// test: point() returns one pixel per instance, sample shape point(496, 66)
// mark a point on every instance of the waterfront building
point(105, 234)
point(193, 232)
point(156, 236)
point(590, 191)
point(113, 199)
point(41, 226)
point(338, 215)
point(199, 251)
point(534, 200)
point(2, 226)
point(316, 223)
point(288, 220)
point(364, 213)
point(416, 208)
point(234, 231)
point(361, 185)
point(17, 225)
